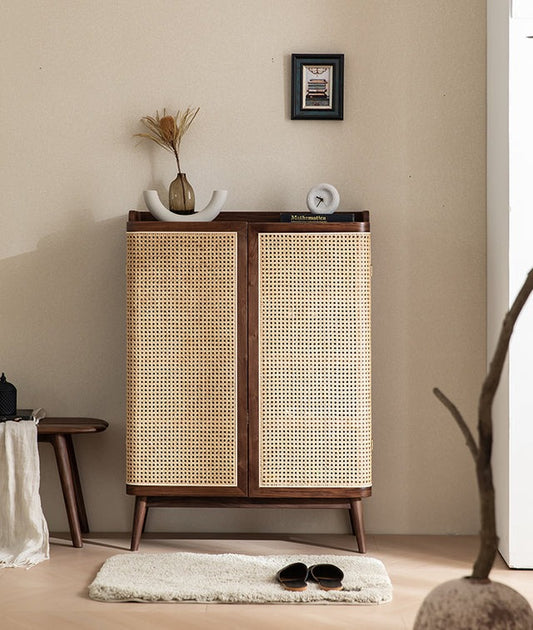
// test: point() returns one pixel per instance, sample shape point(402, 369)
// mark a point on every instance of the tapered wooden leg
point(145, 520)
point(139, 516)
point(67, 484)
point(82, 512)
point(356, 519)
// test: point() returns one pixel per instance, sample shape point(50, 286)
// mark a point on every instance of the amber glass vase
point(181, 195)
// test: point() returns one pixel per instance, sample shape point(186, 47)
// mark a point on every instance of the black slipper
point(293, 577)
point(328, 576)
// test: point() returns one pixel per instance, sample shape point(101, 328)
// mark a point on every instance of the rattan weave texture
point(314, 360)
point(182, 358)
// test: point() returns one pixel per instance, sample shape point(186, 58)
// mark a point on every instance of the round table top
point(49, 426)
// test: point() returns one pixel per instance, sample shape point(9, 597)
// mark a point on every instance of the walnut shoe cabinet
point(248, 364)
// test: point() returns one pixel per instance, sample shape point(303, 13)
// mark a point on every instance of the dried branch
point(470, 441)
point(488, 536)
point(483, 451)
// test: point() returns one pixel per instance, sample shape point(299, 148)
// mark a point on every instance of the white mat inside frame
point(233, 578)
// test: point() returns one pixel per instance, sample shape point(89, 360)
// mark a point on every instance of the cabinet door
point(186, 378)
point(310, 387)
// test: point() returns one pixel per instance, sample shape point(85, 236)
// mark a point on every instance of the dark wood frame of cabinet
point(247, 493)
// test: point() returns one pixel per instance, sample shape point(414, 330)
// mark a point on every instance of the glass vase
point(181, 195)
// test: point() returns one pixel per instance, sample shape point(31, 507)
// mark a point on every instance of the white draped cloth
point(23, 528)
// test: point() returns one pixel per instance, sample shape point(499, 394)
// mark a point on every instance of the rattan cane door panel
point(313, 362)
point(182, 345)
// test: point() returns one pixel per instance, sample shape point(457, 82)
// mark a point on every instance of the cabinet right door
point(309, 360)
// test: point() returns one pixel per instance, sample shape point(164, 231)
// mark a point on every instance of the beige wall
point(76, 77)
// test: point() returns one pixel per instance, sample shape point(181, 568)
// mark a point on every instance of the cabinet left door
point(186, 360)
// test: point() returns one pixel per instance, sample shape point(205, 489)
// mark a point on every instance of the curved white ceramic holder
point(158, 210)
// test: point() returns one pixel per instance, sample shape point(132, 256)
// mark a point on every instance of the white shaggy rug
point(233, 578)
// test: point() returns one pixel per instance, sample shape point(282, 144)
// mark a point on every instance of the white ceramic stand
point(158, 210)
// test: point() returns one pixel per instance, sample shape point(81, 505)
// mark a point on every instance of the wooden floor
point(53, 595)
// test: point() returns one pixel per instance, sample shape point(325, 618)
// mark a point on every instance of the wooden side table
point(58, 432)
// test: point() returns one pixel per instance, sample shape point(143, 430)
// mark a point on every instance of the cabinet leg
point(139, 516)
point(145, 520)
point(356, 519)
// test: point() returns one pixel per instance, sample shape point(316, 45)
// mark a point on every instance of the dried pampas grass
point(167, 131)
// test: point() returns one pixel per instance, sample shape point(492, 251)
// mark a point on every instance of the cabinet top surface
point(144, 222)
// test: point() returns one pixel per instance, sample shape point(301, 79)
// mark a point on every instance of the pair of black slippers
point(294, 577)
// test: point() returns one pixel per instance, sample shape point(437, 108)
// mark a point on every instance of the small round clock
point(323, 199)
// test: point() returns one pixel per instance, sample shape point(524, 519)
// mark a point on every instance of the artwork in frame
point(317, 87)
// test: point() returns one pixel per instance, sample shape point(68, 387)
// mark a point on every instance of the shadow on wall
point(63, 346)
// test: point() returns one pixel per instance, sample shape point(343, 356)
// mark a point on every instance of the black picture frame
point(317, 87)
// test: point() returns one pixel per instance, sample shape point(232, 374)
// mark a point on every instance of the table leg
point(82, 512)
point(67, 484)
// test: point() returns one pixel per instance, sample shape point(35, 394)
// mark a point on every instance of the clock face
point(323, 199)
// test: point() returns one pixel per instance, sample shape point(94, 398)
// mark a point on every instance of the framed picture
point(317, 87)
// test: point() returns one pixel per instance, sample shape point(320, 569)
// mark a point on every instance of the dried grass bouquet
point(167, 131)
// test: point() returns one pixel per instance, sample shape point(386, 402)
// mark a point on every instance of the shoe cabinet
point(248, 364)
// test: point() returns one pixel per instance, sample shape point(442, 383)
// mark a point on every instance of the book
point(308, 217)
point(22, 414)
